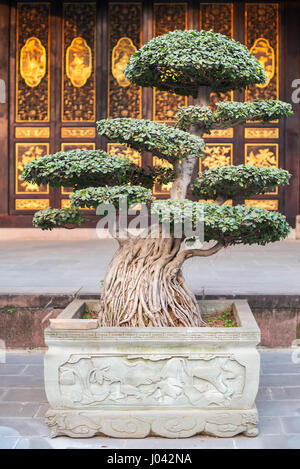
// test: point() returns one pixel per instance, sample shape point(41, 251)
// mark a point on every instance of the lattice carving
point(26, 152)
point(79, 51)
point(262, 38)
point(124, 37)
point(32, 62)
point(168, 17)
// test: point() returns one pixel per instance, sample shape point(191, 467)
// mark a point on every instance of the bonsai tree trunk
point(144, 285)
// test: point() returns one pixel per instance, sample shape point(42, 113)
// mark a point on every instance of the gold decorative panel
point(220, 133)
point(26, 152)
point(219, 18)
point(65, 203)
point(82, 146)
point(261, 132)
point(31, 204)
point(262, 38)
point(32, 132)
point(32, 62)
point(266, 204)
point(168, 17)
point(120, 56)
point(78, 132)
point(211, 201)
point(216, 155)
point(262, 154)
point(124, 38)
point(78, 62)
point(120, 149)
point(161, 189)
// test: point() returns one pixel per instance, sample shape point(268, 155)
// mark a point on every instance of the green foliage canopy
point(181, 61)
point(85, 168)
point(229, 114)
point(241, 180)
point(161, 140)
point(230, 225)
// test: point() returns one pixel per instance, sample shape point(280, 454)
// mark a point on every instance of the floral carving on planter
point(113, 381)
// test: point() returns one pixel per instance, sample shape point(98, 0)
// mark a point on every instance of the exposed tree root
point(144, 288)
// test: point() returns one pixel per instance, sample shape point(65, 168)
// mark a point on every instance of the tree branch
point(188, 253)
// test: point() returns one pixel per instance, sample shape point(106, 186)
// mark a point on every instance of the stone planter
point(137, 382)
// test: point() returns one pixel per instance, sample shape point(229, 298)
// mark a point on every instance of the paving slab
point(67, 266)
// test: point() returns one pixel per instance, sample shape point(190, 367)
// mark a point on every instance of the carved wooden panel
point(32, 132)
point(78, 62)
point(124, 38)
point(120, 149)
point(216, 154)
point(32, 62)
point(25, 153)
point(31, 204)
point(78, 132)
point(168, 17)
point(220, 133)
point(262, 38)
point(266, 204)
point(261, 132)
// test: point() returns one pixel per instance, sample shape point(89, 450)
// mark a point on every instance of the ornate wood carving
point(266, 204)
point(262, 38)
point(168, 17)
point(32, 132)
point(261, 132)
point(262, 154)
point(124, 37)
point(32, 62)
point(26, 152)
point(78, 62)
point(220, 133)
point(31, 204)
point(216, 155)
point(78, 132)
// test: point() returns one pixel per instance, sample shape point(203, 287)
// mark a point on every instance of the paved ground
point(23, 404)
point(67, 266)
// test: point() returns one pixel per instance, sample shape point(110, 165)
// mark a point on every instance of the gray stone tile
point(34, 370)
point(9, 409)
point(26, 426)
point(25, 358)
point(280, 368)
point(33, 443)
point(22, 381)
point(278, 408)
point(269, 426)
point(25, 395)
point(268, 442)
point(10, 369)
point(8, 442)
point(280, 380)
point(263, 394)
point(291, 424)
point(285, 394)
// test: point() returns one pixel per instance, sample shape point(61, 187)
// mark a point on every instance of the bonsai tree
point(144, 285)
